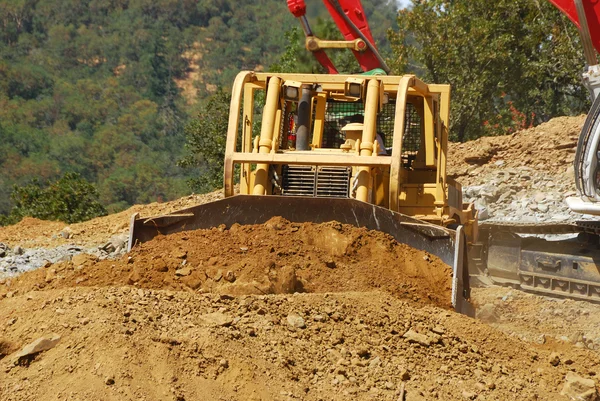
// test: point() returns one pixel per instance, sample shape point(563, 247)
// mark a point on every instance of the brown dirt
point(211, 315)
point(40, 233)
point(184, 346)
point(549, 147)
point(276, 257)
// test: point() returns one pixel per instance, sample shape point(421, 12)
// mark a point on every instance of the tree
point(206, 136)
point(511, 63)
point(70, 199)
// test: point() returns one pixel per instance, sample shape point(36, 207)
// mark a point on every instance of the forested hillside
point(95, 86)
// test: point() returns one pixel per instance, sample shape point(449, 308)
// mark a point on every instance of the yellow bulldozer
point(371, 149)
point(364, 150)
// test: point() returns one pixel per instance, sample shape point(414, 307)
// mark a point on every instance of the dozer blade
point(444, 243)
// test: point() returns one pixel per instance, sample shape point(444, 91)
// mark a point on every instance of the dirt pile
point(32, 232)
point(129, 343)
point(549, 147)
point(521, 177)
point(275, 257)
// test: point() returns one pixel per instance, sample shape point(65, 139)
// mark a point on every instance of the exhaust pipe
point(303, 118)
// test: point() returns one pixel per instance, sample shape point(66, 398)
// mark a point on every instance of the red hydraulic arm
point(351, 20)
point(589, 26)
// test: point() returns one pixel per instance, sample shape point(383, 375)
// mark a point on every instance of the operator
point(359, 118)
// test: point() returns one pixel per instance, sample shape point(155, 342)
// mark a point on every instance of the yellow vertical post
point(247, 138)
point(266, 134)
point(443, 145)
point(319, 126)
point(406, 82)
point(368, 138)
point(232, 128)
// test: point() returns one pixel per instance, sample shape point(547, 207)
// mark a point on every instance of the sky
point(402, 3)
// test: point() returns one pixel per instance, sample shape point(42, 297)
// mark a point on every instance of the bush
point(71, 199)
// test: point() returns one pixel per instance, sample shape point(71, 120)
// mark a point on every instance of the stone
point(18, 250)
point(296, 321)
point(487, 313)
point(41, 344)
point(414, 337)
point(539, 197)
point(217, 319)
point(579, 388)
point(134, 277)
point(186, 271)
point(179, 254)
point(554, 359)
point(66, 233)
point(330, 264)
point(283, 281)
point(229, 276)
point(542, 207)
point(83, 258)
point(109, 380)
point(469, 395)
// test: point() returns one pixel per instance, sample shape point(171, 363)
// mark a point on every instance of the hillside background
point(104, 88)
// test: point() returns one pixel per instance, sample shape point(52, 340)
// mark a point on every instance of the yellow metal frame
point(421, 191)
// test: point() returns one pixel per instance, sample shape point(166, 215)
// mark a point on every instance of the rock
point(578, 388)
point(283, 281)
point(229, 276)
point(330, 263)
point(539, 197)
point(186, 271)
point(487, 313)
point(134, 277)
point(414, 337)
point(542, 207)
point(469, 395)
point(41, 344)
point(404, 375)
point(554, 359)
point(18, 250)
point(217, 319)
point(109, 380)
point(224, 363)
point(179, 254)
point(66, 233)
point(3, 249)
point(82, 259)
point(296, 321)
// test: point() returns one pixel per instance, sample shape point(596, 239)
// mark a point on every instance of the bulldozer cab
point(377, 139)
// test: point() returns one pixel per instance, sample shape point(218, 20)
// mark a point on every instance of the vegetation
point(93, 87)
point(101, 88)
point(206, 137)
point(70, 199)
point(511, 64)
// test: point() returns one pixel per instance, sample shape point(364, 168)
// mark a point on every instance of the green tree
point(206, 136)
point(511, 63)
point(70, 199)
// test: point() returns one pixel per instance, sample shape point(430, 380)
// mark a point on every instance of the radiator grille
point(323, 182)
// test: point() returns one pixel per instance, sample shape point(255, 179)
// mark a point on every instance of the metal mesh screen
point(411, 142)
point(338, 114)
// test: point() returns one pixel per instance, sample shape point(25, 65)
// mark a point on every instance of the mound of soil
point(275, 257)
point(126, 343)
point(549, 147)
point(31, 232)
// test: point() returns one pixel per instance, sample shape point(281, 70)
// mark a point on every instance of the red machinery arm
point(350, 18)
point(591, 10)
